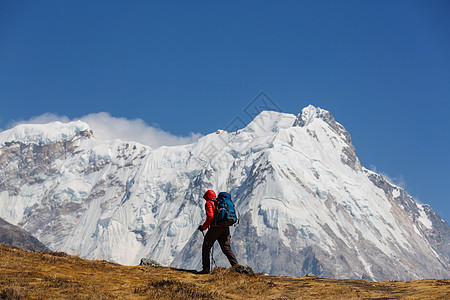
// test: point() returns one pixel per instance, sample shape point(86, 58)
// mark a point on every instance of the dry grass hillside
point(38, 275)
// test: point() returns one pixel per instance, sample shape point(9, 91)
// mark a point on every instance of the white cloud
point(41, 119)
point(107, 127)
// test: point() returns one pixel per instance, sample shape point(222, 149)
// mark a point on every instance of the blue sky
point(382, 68)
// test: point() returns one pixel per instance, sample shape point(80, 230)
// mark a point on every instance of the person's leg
point(225, 244)
point(210, 237)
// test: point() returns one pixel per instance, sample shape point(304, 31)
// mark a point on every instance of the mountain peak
point(43, 134)
point(270, 121)
point(310, 113)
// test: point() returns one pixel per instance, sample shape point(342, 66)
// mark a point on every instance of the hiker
point(215, 233)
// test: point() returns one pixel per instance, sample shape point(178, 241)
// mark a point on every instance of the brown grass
point(37, 275)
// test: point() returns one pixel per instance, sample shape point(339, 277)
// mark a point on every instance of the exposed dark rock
point(149, 262)
point(16, 237)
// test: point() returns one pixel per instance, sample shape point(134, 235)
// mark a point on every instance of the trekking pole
point(212, 256)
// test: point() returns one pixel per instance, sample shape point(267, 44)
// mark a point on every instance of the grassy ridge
point(37, 275)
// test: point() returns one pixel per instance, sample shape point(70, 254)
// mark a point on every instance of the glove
point(200, 228)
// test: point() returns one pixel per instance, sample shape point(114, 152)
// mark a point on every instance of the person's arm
point(209, 207)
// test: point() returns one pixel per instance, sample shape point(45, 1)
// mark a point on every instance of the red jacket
point(210, 206)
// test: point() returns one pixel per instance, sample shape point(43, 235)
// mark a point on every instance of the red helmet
point(209, 195)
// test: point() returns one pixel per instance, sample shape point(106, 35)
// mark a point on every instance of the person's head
point(209, 195)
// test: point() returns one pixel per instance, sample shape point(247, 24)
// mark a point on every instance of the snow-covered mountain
point(306, 202)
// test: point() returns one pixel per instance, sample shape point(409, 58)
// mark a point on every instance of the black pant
point(221, 234)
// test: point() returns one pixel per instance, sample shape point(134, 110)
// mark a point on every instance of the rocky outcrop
point(16, 237)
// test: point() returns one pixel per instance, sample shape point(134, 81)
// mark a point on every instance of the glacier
point(307, 204)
